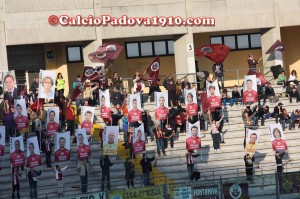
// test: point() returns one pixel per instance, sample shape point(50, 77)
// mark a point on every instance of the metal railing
point(237, 76)
point(274, 185)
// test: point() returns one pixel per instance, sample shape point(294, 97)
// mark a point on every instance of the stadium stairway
point(227, 163)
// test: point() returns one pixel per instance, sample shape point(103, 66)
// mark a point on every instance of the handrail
point(209, 71)
point(238, 76)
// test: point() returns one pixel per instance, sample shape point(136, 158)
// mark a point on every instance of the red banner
point(214, 52)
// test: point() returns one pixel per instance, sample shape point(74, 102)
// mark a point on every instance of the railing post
point(277, 185)
point(238, 77)
point(221, 188)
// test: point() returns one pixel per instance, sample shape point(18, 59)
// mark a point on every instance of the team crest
point(90, 72)
point(155, 66)
point(235, 191)
point(111, 48)
point(206, 50)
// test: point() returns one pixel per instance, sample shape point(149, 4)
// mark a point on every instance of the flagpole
point(108, 67)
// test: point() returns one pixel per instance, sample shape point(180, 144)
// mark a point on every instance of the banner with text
point(154, 192)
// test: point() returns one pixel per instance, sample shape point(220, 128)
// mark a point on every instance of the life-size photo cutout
point(17, 156)
point(52, 121)
point(2, 140)
point(139, 140)
point(47, 84)
point(105, 110)
point(9, 86)
point(83, 146)
point(191, 102)
point(216, 91)
point(33, 153)
point(110, 140)
point(87, 118)
point(9, 80)
point(20, 114)
point(277, 138)
point(1, 79)
point(250, 89)
point(161, 108)
point(193, 136)
point(134, 110)
point(252, 139)
point(213, 95)
point(62, 146)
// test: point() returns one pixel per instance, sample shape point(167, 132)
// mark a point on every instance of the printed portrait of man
point(161, 113)
point(21, 121)
point(214, 101)
point(17, 157)
point(135, 114)
point(33, 159)
point(52, 126)
point(251, 145)
point(110, 146)
point(249, 95)
point(105, 111)
point(139, 144)
point(11, 91)
point(82, 149)
point(278, 144)
point(191, 107)
point(193, 142)
point(87, 124)
point(62, 153)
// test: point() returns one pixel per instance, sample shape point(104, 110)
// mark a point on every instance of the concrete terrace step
point(226, 163)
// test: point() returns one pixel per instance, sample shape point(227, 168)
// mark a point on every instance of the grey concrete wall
point(26, 21)
point(289, 12)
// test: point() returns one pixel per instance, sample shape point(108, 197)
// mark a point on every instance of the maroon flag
point(277, 46)
point(204, 102)
point(76, 92)
point(214, 52)
point(258, 75)
point(153, 68)
point(91, 73)
point(108, 52)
